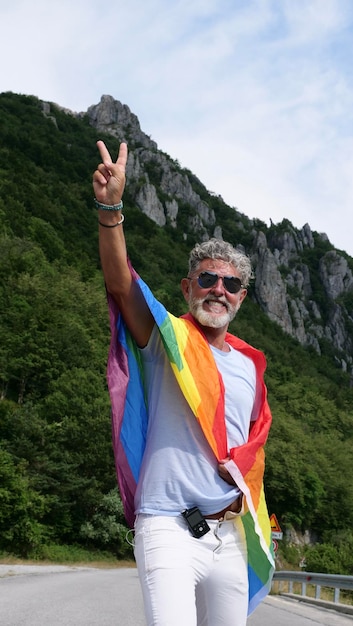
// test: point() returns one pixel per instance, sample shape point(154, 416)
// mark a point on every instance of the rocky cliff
point(302, 283)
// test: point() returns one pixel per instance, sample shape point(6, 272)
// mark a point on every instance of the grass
point(68, 555)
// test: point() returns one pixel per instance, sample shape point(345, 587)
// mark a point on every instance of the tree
point(107, 528)
point(21, 509)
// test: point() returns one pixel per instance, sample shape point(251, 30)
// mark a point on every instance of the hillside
point(56, 468)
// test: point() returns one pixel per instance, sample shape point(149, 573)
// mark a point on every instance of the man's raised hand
point(109, 177)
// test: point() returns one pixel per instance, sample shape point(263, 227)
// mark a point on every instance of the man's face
point(214, 307)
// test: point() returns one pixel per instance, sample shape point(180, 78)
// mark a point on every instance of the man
point(190, 419)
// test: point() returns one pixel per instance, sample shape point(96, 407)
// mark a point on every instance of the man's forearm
point(113, 253)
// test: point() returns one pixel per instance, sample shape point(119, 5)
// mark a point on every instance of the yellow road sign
point(275, 527)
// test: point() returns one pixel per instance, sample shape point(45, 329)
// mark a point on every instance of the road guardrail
point(297, 585)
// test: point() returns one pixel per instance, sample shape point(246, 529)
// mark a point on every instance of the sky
point(255, 97)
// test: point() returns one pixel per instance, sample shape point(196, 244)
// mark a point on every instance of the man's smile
point(215, 305)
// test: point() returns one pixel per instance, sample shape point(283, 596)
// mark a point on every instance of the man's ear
point(243, 295)
point(185, 288)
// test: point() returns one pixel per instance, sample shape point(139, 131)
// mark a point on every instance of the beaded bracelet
point(108, 207)
point(112, 225)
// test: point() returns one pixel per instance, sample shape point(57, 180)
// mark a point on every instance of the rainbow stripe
point(194, 367)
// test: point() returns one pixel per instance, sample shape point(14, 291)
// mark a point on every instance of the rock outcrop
point(310, 300)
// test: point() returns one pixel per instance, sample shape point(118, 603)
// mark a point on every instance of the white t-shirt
point(179, 469)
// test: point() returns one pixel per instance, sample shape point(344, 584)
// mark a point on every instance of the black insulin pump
point(196, 522)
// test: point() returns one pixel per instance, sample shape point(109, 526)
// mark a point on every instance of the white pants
point(191, 582)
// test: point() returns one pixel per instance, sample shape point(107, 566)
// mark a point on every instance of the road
point(69, 596)
point(276, 611)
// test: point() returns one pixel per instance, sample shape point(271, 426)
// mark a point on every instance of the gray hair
point(219, 249)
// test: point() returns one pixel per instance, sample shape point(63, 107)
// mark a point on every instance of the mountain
point(302, 283)
point(56, 463)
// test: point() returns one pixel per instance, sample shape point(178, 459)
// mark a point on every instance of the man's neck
point(216, 338)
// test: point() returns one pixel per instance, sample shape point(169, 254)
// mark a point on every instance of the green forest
point(57, 475)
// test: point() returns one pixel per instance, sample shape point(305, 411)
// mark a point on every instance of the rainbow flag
point(194, 367)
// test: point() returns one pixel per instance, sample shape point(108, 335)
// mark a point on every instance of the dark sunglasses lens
point(232, 284)
point(207, 280)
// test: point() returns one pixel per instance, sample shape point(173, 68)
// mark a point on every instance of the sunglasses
point(206, 280)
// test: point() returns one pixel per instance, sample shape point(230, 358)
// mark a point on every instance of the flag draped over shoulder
point(194, 367)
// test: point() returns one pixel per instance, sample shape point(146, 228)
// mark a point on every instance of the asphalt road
point(67, 596)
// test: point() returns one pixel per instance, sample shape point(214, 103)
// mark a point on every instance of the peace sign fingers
point(109, 177)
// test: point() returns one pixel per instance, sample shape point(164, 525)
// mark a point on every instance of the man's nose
point(218, 287)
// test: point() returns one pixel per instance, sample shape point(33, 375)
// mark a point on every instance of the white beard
point(207, 318)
